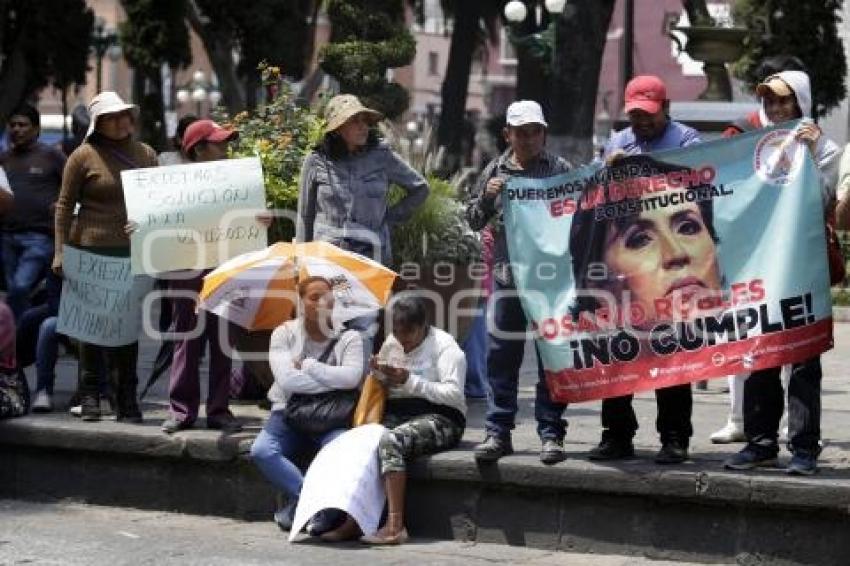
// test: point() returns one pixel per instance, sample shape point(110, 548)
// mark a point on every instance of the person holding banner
point(92, 180)
point(311, 359)
point(345, 182)
point(650, 129)
point(787, 96)
point(204, 140)
point(526, 156)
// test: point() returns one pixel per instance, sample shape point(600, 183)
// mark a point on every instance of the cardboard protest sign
point(672, 267)
point(194, 216)
point(101, 299)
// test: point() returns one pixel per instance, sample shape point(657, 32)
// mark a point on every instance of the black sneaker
point(672, 452)
point(90, 408)
point(552, 451)
point(750, 459)
point(803, 463)
point(493, 448)
point(611, 449)
point(227, 424)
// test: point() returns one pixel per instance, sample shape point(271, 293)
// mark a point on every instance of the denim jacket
point(340, 200)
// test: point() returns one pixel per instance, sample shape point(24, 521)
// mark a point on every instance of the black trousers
point(764, 403)
point(675, 405)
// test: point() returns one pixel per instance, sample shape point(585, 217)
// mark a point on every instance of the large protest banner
point(101, 301)
point(672, 267)
point(194, 216)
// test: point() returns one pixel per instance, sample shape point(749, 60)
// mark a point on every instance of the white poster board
point(194, 216)
point(345, 475)
point(101, 301)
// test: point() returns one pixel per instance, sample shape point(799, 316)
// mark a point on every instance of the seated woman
point(424, 370)
point(14, 391)
point(307, 357)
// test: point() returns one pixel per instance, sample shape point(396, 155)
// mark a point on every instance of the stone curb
point(701, 482)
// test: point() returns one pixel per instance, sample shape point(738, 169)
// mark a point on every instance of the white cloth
point(345, 475)
point(437, 369)
point(289, 343)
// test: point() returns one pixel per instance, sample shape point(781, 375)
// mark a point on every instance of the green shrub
point(281, 134)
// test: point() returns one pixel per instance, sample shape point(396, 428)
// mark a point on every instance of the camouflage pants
point(419, 436)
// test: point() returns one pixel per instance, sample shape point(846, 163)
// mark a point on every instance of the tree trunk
point(579, 45)
point(14, 78)
point(456, 83)
point(220, 52)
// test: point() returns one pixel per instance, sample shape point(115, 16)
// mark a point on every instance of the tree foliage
point(155, 32)
point(44, 43)
point(367, 38)
point(791, 27)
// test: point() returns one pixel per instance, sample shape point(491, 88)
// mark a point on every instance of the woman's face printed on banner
point(665, 253)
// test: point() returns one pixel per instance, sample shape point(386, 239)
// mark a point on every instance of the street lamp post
point(541, 43)
point(200, 90)
point(102, 41)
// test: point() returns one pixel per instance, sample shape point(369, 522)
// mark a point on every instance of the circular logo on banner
point(778, 158)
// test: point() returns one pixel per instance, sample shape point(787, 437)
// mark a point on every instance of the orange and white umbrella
point(258, 290)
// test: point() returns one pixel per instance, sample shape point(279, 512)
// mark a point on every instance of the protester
point(787, 96)
point(92, 179)
point(312, 362)
point(14, 391)
point(424, 371)
point(345, 183)
point(768, 66)
point(80, 121)
point(35, 175)
point(204, 140)
point(650, 129)
point(733, 430)
point(525, 133)
point(38, 342)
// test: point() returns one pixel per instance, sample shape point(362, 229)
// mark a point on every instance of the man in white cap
point(526, 156)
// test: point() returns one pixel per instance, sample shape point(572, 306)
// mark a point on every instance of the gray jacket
point(344, 199)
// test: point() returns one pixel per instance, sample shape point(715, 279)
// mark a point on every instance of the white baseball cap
point(108, 102)
point(524, 112)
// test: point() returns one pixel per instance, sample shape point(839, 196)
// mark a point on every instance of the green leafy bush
point(438, 230)
point(281, 134)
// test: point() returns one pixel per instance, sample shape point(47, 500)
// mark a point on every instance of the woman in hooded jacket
point(786, 96)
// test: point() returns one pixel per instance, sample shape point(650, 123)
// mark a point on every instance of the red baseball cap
point(647, 93)
point(206, 130)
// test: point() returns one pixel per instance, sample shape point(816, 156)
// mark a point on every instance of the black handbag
point(318, 413)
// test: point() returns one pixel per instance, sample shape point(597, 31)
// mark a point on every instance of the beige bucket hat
point(342, 107)
point(108, 102)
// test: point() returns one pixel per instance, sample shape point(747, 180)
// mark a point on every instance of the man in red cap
point(651, 130)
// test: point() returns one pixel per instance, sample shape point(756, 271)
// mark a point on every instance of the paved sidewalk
point(710, 411)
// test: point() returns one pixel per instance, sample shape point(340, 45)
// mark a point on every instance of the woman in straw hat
point(92, 179)
point(345, 180)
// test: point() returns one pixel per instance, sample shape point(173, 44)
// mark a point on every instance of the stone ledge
point(701, 481)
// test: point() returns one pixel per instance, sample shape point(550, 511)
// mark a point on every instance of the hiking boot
point(672, 452)
point(552, 451)
point(612, 449)
point(750, 459)
point(493, 448)
point(803, 463)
